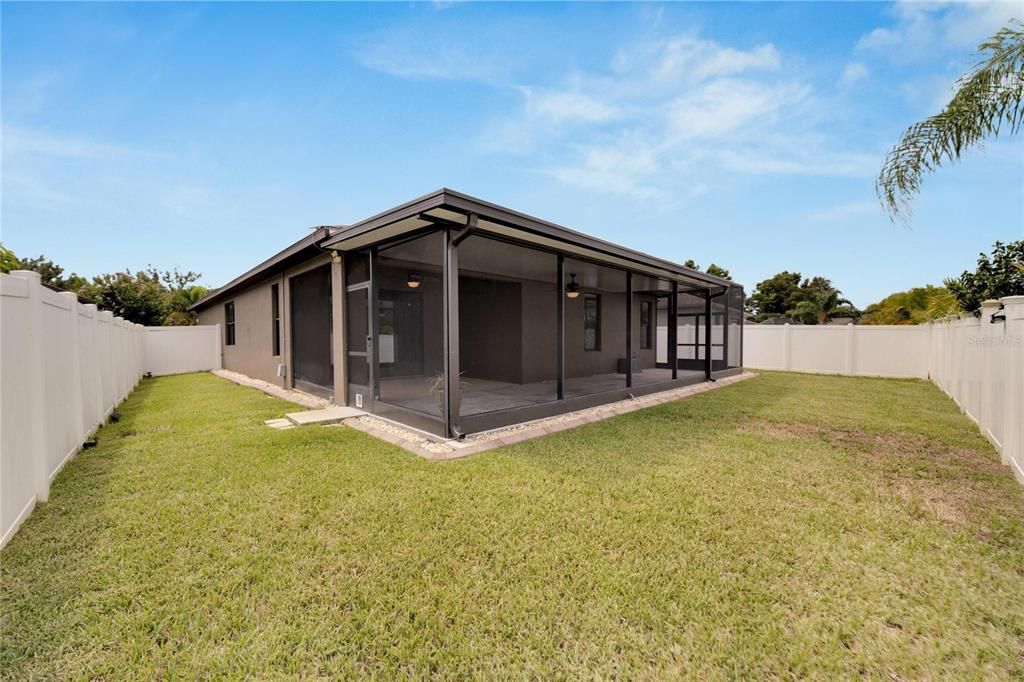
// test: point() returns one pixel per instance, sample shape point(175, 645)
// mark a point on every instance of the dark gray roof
point(416, 212)
point(445, 198)
point(294, 254)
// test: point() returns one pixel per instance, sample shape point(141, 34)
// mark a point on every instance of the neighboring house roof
point(448, 207)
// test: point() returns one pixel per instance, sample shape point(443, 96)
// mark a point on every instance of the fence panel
point(66, 366)
point(978, 362)
point(174, 350)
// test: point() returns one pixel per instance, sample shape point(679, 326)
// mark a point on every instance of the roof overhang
point(290, 256)
point(448, 207)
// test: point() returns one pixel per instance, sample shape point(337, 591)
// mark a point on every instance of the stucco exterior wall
point(253, 351)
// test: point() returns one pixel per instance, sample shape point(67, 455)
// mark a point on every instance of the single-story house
point(454, 315)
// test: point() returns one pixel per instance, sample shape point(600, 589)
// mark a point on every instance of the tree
point(138, 297)
point(718, 271)
point(995, 277)
point(774, 296)
point(818, 302)
point(810, 301)
point(181, 299)
point(986, 100)
point(914, 306)
point(8, 261)
point(149, 297)
point(49, 272)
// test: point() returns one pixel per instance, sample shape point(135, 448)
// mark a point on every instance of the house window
point(275, 316)
point(229, 323)
point(591, 322)
point(645, 325)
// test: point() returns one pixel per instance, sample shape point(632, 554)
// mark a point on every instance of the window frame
point(229, 323)
point(275, 319)
point(646, 335)
point(596, 322)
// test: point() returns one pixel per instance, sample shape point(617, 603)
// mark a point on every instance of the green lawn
point(784, 526)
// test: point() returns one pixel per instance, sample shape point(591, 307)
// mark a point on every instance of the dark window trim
point(591, 296)
point(645, 325)
point(275, 317)
point(229, 323)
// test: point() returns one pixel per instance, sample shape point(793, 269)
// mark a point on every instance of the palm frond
point(988, 100)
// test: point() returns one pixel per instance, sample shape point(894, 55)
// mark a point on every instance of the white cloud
point(19, 142)
point(920, 29)
point(844, 211)
point(802, 160)
point(724, 106)
point(688, 58)
point(623, 166)
point(560, 106)
point(665, 114)
point(406, 55)
point(853, 73)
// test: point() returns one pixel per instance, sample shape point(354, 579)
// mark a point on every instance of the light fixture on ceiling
point(413, 281)
point(572, 289)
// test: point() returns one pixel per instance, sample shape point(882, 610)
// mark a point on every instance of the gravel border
point(291, 395)
point(428, 448)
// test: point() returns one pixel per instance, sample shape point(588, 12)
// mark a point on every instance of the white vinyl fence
point(977, 362)
point(64, 367)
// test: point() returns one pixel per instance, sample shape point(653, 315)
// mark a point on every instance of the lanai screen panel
point(508, 334)
point(649, 294)
point(409, 295)
point(692, 323)
point(735, 333)
point(718, 324)
point(312, 328)
point(595, 328)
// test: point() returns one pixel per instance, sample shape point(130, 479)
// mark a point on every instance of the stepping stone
point(279, 424)
point(329, 415)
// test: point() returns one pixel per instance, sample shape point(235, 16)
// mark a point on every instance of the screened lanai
point(462, 316)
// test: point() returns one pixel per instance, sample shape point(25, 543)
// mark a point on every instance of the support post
point(451, 335)
point(673, 330)
point(338, 353)
point(629, 329)
point(373, 343)
point(560, 326)
point(725, 326)
point(707, 335)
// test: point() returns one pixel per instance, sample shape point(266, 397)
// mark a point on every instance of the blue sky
point(208, 137)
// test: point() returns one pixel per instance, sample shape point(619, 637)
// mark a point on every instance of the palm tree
point(988, 100)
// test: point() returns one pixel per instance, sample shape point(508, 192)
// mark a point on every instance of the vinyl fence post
point(1013, 403)
point(37, 422)
point(75, 404)
point(95, 371)
point(848, 359)
point(787, 352)
point(987, 345)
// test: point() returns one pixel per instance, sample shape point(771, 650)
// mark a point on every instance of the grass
point(786, 526)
